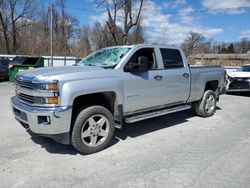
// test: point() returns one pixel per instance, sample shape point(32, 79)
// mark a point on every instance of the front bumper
point(239, 86)
point(44, 121)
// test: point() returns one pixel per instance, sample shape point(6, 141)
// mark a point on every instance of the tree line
point(25, 29)
point(196, 43)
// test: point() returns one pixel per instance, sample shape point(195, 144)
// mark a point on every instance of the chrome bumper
point(44, 121)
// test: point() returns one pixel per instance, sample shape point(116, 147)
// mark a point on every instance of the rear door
point(176, 76)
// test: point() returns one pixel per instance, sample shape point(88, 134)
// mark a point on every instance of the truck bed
point(200, 75)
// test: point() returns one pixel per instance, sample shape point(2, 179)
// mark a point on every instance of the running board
point(156, 113)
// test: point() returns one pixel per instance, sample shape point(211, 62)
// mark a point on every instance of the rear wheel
point(207, 105)
point(93, 129)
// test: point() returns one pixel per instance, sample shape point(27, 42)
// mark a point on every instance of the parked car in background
point(239, 80)
point(4, 68)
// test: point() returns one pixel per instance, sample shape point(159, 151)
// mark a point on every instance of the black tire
point(200, 106)
point(82, 121)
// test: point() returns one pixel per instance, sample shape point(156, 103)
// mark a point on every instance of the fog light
point(43, 120)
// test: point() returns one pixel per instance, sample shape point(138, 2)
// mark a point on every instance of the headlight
point(46, 100)
point(48, 92)
point(229, 78)
point(49, 86)
point(51, 100)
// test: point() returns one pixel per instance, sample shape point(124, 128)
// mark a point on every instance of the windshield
point(244, 69)
point(106, 58)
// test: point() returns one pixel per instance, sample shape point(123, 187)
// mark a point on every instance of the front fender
point(72, 89)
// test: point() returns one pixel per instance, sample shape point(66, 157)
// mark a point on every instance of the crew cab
point(81, 105)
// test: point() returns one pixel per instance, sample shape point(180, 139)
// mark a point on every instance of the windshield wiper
point(109, 67)
point(89, 64)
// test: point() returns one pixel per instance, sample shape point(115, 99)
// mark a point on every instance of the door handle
point(185, 75)
point(158, 77)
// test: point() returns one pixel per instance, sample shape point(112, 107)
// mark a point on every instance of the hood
point(68, 73)
point(239, 74)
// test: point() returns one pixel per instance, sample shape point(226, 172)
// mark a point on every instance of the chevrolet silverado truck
point(81, 105)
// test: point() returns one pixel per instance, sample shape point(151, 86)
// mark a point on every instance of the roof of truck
point(145, 45)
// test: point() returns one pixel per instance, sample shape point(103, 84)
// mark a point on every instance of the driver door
point(143, 90)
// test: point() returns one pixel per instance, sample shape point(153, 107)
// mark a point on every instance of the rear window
point(171, 58)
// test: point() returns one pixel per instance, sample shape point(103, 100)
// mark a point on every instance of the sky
point(172, 20)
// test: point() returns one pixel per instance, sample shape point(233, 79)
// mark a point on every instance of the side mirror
point(141, 66)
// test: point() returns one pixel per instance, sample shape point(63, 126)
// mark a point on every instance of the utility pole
point(51, 35)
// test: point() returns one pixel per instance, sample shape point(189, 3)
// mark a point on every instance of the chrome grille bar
point(24, 84)
point(26, 98)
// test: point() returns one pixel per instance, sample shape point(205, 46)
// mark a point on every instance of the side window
point(171, 58)
point(149, 53)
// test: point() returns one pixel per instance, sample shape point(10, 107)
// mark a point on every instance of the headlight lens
point(49, 92)
point(52, 100)
point(46, 100)
point(49, 86)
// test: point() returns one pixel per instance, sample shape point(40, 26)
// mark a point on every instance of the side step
point(157, 113)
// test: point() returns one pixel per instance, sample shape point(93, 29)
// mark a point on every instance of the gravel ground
point(177, 150)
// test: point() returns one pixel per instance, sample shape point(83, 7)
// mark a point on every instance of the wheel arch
point(104, 99)
point(214, 86)
point(211, 85)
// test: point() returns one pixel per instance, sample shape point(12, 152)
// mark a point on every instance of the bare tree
point(97, 36)
point(4, 21)
point(137, 35)
point(244, 45)
point(84, 46)
point(23, 32)
point(13, 16)
point(129, 10)
point(62, 26)
point(193, 43)
point(64, 29)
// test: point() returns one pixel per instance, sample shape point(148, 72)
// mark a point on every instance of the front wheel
point(207, 105)
point(93, 129)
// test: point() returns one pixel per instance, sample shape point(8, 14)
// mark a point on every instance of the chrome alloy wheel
point(210, 104)
point(95, 130)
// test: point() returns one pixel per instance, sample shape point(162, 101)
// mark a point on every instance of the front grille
point(28, 91)
point(235, 84)
point(25, 84)
point(26, 98)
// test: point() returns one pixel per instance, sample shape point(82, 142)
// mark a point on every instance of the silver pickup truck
point(81, 105)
